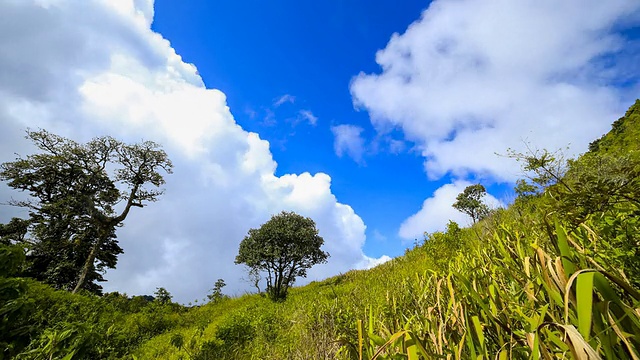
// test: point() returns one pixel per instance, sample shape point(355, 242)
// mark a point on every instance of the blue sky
point(376, 113)
point(256, 52)
point(305, 55)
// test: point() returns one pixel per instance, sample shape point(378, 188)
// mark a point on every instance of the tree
point(284, 247)
point(525, 190)
point(14, 231)
point(75, 190)
point(470, 202)
point(542, 167)
point(597, 181)
point(162, 296)
point(254, 278)
point(216, 292)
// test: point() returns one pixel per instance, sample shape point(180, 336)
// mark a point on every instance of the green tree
point(596, 182)
point(470, 202)
point(542, 168)
point(14, 231)
point(216, 292)
point(284, 247)
point(525, 190)
point(162, 296)
point(74, 191)
point(254, 277)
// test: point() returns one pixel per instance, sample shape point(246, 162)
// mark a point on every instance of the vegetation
point(554, 276)
point(470, 202)
point(216, 292)
point(285, 247)
point(162, 296)
point(70, 233)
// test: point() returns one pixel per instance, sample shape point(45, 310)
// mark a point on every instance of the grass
point(508, 291)
point(554, 276)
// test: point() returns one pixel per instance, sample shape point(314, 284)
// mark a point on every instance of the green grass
point(554, 276)
point(512, 289)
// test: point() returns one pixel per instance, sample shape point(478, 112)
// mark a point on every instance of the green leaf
point(584, 295)
point(565, 251)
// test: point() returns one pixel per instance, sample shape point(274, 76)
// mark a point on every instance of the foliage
point(597, 182)
point(542, 167)
point(443, 246)
point(14, 231)
point(623, 135)
point(216, 292)
point(514, 299)
point(40, 322)
point(162, 296)
point(285, 247)
point(514, 285)
point(525, 190)
point(470, 202)
point(12, 300)
point(74, 188)
point(531, 281)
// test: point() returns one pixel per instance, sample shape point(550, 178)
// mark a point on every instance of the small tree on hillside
point(216, 292)
point(284, 247)
point(542, 168)
point(162, 296)
point(470, 202)
point(254, 277)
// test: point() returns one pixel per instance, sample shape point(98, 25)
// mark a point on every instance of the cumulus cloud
point(472, 78)
point(436, 211)
point(348, 140)
point(370, 263)
point(96, 68)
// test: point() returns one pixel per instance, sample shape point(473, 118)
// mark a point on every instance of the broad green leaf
point(584, 295)
point(565, 251)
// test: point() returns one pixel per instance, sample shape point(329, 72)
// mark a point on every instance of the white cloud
point(437, 210)
point(396, 146)
point(286, 98)
point(95, 68)
point(348, 140)
point(369, 263)
point(472, 78)
point(307, 115)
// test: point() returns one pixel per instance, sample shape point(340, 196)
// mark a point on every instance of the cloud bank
point(472, 78)
point(84, 69)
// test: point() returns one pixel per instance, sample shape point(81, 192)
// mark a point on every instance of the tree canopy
point(284, 247)
point(79, 194)
point(470, 202)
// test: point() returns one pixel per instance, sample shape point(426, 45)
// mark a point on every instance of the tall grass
point(515, 297)
point(509, 289)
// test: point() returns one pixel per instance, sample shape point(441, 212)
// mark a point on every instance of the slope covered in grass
point(552, 276)
point(555, 275)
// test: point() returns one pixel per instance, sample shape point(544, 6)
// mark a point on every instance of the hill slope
point(555, 275)
point(525, 282)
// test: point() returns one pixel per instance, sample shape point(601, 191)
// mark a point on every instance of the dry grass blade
point(621, 336)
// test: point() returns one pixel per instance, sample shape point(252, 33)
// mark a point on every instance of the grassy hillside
point(556, 275)
point(527, 282)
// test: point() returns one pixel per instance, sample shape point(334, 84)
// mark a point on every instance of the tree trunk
point(105, 223)
point(88, 265)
